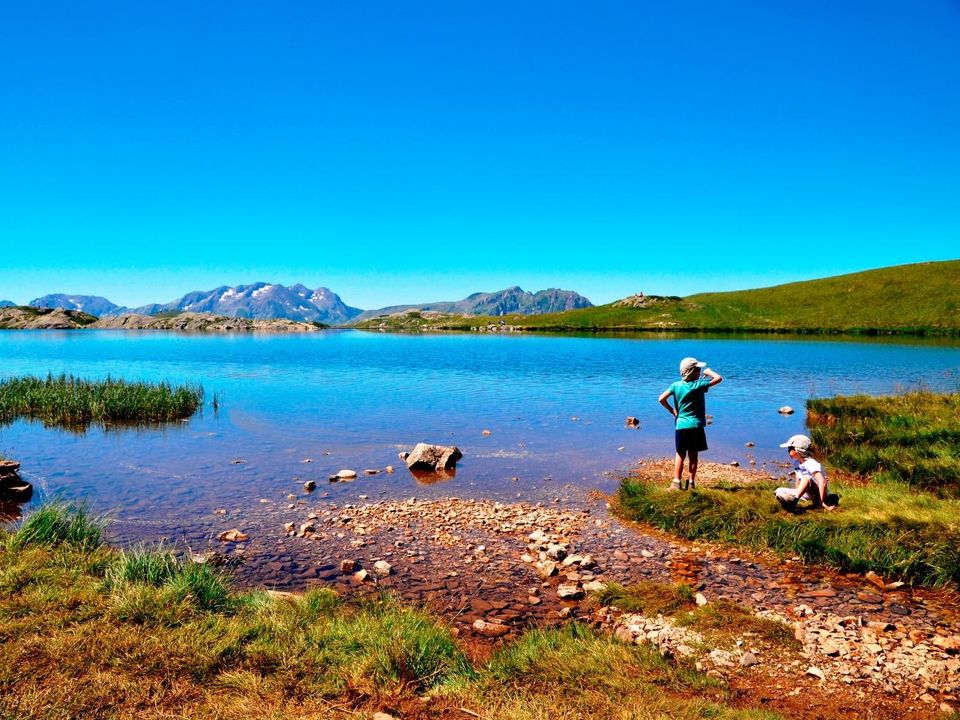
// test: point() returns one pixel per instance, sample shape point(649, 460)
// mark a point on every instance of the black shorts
point(690, 439)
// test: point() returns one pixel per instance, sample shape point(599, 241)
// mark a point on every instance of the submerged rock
point(233, 535)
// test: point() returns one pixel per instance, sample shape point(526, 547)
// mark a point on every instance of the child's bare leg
point(694, 463)
point(677, 472)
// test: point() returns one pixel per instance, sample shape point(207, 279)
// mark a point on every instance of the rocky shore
point(29, 318)
point(494, 569)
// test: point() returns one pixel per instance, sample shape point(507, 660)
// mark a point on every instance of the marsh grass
point(912, 438)
point(69, 401)
point(890, 529)
point(59, 523)
point(97, 632)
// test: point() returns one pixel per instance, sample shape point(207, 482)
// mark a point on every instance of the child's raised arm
point(715, 378)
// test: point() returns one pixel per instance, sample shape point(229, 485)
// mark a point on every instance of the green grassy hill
point(910, 299)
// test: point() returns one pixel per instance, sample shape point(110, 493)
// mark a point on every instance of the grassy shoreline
point(90, 631)
point(901, 519)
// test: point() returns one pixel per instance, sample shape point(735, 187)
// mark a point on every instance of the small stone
point(389, 469)
point(556, 551)
point(749, 445)
point(875, 579)
point(632, 422)
point(348, 566)
point(361, 575)
point(233, 535)
point(486, 433)
point(371, 471)
point(620, 555)
point(569, 591)
point(289, 527)
point(949, 644)
point(382, 568)
point(595, 586)
point(816, 672)
point(748, 659)
point(545, 569)
point(734, 464)
point(534, 600)
point(383, 716)
point(646, 553)
point(490, 629)
point(347, 474)
point(830, 648)
point(700, 599)
point(786, 410)
point(565, 612)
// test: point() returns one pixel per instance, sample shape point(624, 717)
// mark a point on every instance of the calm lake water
point(555, 408)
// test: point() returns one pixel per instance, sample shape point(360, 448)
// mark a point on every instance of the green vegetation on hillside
point(920, 299)
point(71, 402)
point(89, 631)
point(887, 525)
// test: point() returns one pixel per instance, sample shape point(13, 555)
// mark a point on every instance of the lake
point(555, 408)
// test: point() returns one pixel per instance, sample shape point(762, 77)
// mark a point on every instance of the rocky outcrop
point(433, 458)
point(200, 322)
point(30, 318)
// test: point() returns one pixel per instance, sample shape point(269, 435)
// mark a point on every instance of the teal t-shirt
point(691, 409)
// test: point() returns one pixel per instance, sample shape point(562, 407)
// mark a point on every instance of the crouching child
point(810, 477)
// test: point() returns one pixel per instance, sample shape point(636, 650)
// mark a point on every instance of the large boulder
point(433, 458)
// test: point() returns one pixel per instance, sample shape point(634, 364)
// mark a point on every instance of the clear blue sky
point(406, 152)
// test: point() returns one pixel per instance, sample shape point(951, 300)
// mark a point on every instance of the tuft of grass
point(724, 618)
point(647, 597)
point(197, 584)
point(59, 523)
point(894, 531)
point(573, 672)
point(69, 401)
point(911, 438)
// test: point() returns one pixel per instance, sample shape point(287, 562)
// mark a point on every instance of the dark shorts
point(694, 439)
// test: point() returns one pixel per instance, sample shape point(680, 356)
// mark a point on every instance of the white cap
point(688, 364)
point(798, 442)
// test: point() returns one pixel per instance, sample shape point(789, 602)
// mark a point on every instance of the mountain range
point(262, 300)
point(512, 301)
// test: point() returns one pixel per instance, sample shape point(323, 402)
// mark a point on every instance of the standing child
point(811, 480)
point(689, 411)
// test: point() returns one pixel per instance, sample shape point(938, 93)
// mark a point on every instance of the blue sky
point(407, 152)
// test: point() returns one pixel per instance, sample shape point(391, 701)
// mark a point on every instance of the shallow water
point(555, 408)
